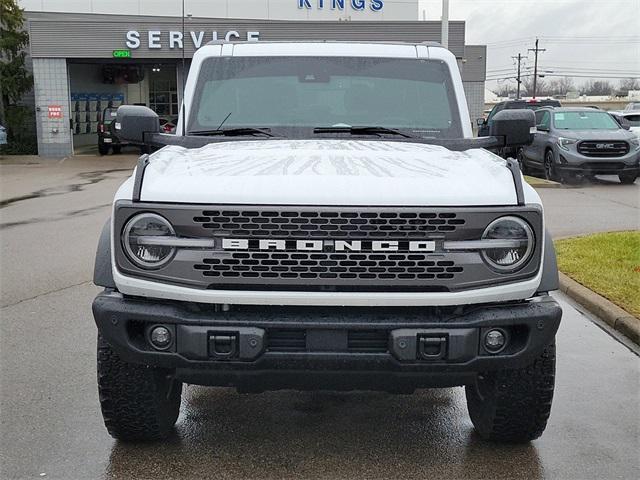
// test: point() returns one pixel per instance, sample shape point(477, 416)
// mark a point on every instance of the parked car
point(631, 120)
point(107, 136)
point(3, 135)
point(342, 229)
point(574, 142)
point(632, 107)
point(484, 125)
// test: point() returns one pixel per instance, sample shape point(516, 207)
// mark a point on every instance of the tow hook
point(432, 347)
point(223, 345)
point(220, 343)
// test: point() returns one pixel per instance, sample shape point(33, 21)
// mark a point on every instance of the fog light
point(494, 340)
point(160, 337)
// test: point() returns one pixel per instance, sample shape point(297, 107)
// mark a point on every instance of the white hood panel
point(327, 172)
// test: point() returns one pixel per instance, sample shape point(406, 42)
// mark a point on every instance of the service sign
point(157, 39)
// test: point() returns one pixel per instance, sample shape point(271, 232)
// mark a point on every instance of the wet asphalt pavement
point(50, 421)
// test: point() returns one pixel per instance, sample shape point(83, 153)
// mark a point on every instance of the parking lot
point(51, 216)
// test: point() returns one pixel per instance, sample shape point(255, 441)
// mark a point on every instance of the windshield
point(633, 120)
point(110, 115)
point(587, 120)
point(310, 92)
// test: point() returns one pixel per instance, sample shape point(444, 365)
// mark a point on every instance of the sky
point(582, 38)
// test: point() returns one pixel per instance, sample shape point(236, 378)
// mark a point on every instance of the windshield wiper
point(363, 130)
point(232, 132)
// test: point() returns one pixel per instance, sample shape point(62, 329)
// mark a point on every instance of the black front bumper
point(600, 167)
point(262, 348)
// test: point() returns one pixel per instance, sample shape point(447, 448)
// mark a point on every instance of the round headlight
point(519, 242)
point(140, 240)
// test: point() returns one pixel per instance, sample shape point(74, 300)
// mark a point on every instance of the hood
point(603, 135)
point(327, 172)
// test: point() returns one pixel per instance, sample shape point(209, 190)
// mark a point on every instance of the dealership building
point(87, 55)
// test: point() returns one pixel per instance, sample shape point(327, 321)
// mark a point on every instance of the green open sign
point(122, 54)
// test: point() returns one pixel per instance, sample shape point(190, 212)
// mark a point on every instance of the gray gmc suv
point(571, 143)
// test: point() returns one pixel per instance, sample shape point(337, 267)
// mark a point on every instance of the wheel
point(521, 161)
point(103, 149)
point(550, 167)
point(138, 402)
point(627, 178)
point(117, 150)
point(513, 405)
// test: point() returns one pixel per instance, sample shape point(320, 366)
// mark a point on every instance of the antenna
point(184, 73)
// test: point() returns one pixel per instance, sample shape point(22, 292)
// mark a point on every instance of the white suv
point(324, 219)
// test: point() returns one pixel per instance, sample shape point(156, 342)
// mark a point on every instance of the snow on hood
point(327, 172)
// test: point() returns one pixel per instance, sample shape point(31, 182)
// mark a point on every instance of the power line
point(566, 68)
point(564, 75)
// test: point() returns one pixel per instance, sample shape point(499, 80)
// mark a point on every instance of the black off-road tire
point(627, 178)
point(522, 162)
point(103, 149)
point(514, 405)
point(139, 403)
point(549, 167)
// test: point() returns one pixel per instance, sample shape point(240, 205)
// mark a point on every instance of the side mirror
point(133, 121)
point(542, 128)
point(480, 122)
point(516, 126)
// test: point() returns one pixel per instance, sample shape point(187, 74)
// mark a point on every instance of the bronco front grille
point(332, 267)
point(329, 266)
point(328, 224)
point(592, 148)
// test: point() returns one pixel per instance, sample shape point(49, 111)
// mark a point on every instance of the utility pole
point(535, 68)
point(444, 36)
point(518, 79)
point(183, 77)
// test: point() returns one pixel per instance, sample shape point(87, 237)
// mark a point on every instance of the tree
point(561, 86)
point(505, 89)
point(597, 87)
point(541, 86)
point(15, 80)
point(627, 84)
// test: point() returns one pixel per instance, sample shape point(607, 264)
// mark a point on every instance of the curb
point(611, 314)
point(536, 182)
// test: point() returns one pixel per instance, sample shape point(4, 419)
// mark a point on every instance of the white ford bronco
point(324, 219)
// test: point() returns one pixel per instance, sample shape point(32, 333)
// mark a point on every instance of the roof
point(575, 109)
point(351, 42)
point(429, 50)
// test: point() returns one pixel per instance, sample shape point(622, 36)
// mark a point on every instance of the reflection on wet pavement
point(289, 434)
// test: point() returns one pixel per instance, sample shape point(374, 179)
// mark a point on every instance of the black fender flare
point(550, 280)
point(102, 271)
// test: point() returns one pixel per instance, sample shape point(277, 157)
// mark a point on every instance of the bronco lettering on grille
point(329, 245)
